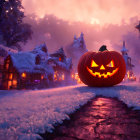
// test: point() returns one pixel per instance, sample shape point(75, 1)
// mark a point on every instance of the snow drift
point(25, 114)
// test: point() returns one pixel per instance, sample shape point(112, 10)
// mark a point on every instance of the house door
point(12, 82)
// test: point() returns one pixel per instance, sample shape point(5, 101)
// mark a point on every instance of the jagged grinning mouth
point(103, 74)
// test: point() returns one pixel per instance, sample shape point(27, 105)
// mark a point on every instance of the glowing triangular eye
point(111, 64)
point(93, 64)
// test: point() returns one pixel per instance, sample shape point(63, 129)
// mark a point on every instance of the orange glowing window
point(55, 76)
point(23, 75)
point(14, 82)
point(9, 84)
point(60, 59)
point(11, 76)
point(63, 77)
point(42, 77)
point(72, 75)
point(7, 65)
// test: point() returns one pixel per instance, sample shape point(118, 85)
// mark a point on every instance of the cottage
point(3, 53)
point(35, 69)
point(27, 69)
point(62, 66)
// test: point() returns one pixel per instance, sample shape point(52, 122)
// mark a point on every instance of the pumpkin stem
point(103, 48)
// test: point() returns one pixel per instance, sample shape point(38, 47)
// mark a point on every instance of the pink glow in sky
point(107, 22)
point(88, 11)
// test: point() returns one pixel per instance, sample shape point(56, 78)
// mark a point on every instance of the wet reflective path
point(100, 119)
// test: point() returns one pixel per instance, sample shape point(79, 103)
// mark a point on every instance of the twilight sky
point(108, 22)
point(88, 11)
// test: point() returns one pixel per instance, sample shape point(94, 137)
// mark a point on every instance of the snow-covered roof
point(65, 64)
point(59, 53)
point(25, 62)
point(42, 49)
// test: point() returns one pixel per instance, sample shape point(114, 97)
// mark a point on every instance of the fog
point(58, 33)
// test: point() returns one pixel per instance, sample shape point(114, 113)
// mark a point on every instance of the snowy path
point(24, 114)
point(102, 118)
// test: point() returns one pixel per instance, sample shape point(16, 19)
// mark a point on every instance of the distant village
point(40, 69)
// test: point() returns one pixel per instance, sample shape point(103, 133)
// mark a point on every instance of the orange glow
point(23, 75)
point(102, 68)
point(59, 76)
point(104, 75)
point(60, 59)
point(72, 76)
point(131, 76)
point(93, 64)
point(75, 76)
point(9, 84)
point(128, 74)
point(7, 66)
point(42, 77)
point(55, 76)
point(63, 77)
point(14, 82)
point(11, 76)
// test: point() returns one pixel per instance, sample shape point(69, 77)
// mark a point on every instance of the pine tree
point(12, 29)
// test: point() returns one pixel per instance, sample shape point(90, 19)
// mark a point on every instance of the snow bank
point(24, 114)
point(129, 93)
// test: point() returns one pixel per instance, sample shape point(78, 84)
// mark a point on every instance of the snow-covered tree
point(12, 29)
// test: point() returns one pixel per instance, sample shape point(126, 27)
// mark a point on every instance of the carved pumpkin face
point(102, 72)
point(105, 68)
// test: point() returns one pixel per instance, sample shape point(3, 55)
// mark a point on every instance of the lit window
point(60, 59)
point(7, 65)
point(14, 82)
point(42, 77)
point(11, 76)
point(23, 75)
point(9, 84)
point(63, 77)
point(55, 76)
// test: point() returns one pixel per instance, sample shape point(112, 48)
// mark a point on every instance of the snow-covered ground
point(25, 113)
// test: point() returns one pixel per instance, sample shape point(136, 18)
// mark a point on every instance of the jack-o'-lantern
point(103, 68)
